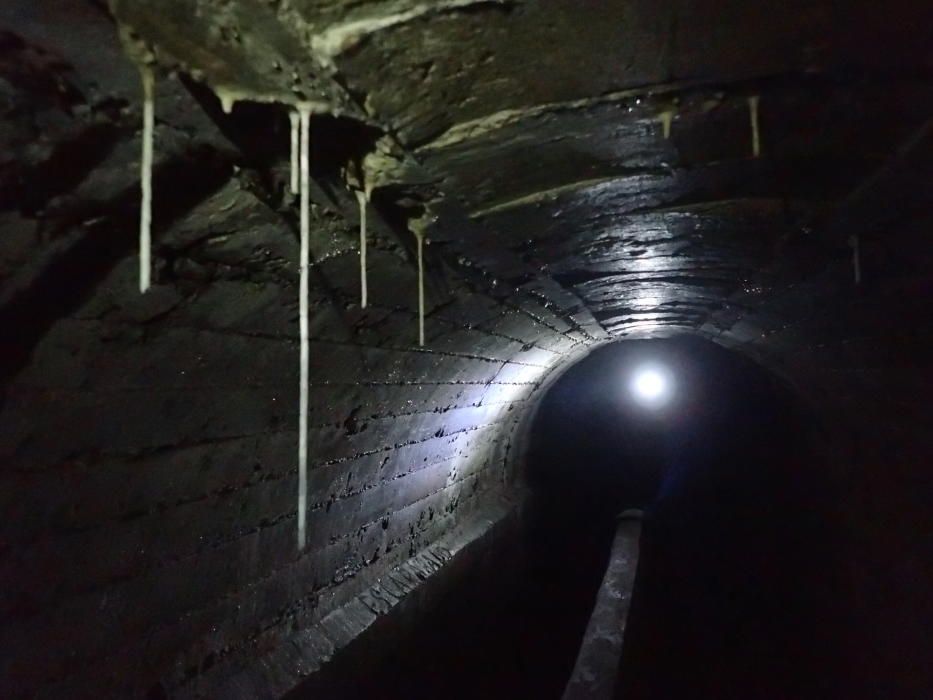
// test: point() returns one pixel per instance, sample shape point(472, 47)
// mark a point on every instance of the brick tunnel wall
point(149, 447)
point(149, 443)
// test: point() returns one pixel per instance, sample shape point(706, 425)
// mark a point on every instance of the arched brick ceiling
point(534, 130)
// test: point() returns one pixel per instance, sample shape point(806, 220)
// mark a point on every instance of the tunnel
point(469, 348)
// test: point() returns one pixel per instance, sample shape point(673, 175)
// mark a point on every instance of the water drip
point(145, 212)
point(667, 118)
point(305, 128)
point(294, 119)
point(420, 238)
point(756, 134)
point(856, 258)
point(363, 198)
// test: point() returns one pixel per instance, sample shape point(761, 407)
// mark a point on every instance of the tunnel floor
point(733, 599)
point(738, 592)
point(525, 643)
point(512, 631)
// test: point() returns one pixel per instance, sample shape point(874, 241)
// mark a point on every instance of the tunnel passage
point(738, 585)
point(542, 180)
point(738, 590)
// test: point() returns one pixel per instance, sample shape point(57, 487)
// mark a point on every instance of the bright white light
point(651, 386)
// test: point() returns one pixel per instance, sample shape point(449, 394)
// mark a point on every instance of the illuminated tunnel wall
point(150, 444)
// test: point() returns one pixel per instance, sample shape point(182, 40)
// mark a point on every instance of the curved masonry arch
point(148, 443)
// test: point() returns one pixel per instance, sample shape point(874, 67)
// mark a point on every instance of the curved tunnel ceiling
point(536, 131)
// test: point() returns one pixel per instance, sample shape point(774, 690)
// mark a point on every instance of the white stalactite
point(856, 258)
point(363, 199)
point(295, 119)
point(227, 101)
point(756, 133)
point(420, 238)
point(667, 118)
point(305, 124)
point(145, 211)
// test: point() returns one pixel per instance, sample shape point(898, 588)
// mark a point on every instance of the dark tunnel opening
point(737, 592)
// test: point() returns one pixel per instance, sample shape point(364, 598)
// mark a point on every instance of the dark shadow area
point(72, 275)
point(739, 589)
point(510, 626)
point(739, 592)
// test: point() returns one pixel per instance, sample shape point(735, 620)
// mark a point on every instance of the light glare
point(651, 386)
